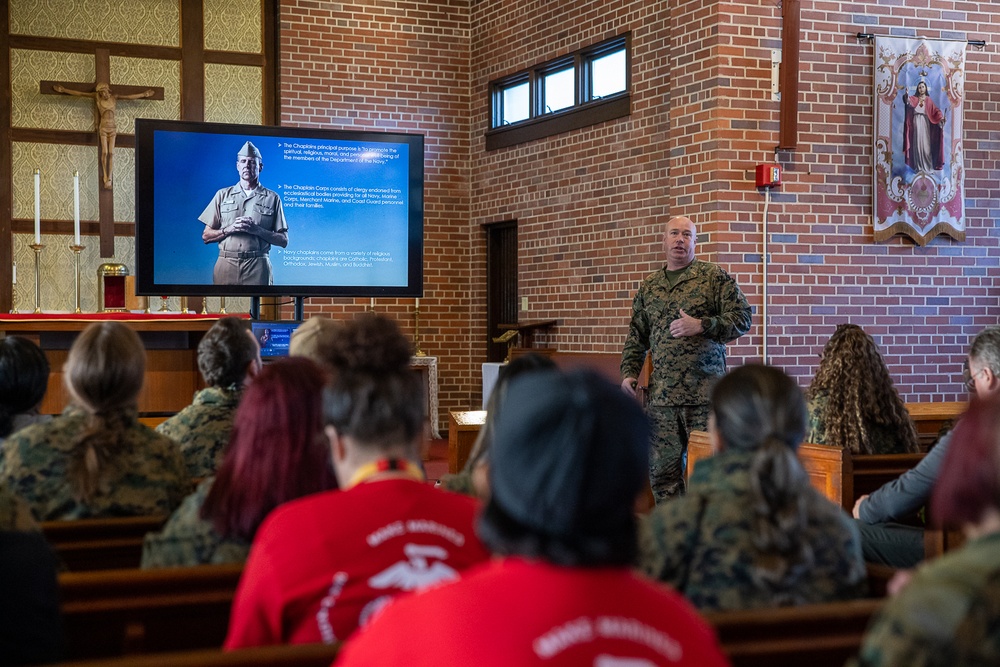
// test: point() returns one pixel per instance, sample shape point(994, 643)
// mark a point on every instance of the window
point(569, 92)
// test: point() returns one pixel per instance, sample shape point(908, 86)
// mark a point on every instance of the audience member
point(949, 612)
point(309, 337)
point(30, 623)
point(884, 539)
point(473, 479)
point(853, 402)
point(277, 453)
point(569, 456)
point(24, 377)
point(96, 458)
point(321, 566)
point(228, 358)
point(751, 531)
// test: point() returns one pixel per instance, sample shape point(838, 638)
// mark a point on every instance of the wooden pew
point(296, 655)
point(100, 544)
point(833, 472)
point(819, 635)
point(121, 612)
point(929, 418)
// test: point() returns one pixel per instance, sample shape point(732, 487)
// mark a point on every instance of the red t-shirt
point(525, 613)
point(320, 566)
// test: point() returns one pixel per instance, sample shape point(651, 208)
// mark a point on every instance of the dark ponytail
point(760, 409)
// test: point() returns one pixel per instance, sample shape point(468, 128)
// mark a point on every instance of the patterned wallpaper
point(233, 25)
point(133, 22)
point(233, 94)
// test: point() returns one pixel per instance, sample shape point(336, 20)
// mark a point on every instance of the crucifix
point(105, 98)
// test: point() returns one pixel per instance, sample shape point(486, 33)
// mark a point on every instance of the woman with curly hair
point(852, 401)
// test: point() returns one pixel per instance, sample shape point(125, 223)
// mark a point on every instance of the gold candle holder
point(77, 249)
point(13, 299)
point(222, 305)
point(37, 247)
point(145, 307)
point(416, 333)
point(164, 304)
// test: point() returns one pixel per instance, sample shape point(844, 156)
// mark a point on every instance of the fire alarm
point(768, 175)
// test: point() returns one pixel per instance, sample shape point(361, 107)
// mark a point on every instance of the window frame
point(586, 110)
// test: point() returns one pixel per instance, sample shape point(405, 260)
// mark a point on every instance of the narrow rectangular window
point(608, 74)
point(559, 90)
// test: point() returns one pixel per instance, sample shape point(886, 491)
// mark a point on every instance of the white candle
point(38, 207)
point(373, 303)
point(417, 306)
point(76, 208)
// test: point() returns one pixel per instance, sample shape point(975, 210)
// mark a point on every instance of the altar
point(171, 341)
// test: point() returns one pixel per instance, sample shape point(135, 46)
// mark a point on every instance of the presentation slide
point(345, 203)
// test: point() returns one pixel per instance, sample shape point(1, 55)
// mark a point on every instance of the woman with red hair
point(948, 613)
point(276, 453)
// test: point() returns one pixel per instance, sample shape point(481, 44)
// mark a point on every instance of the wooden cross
point(105, 131)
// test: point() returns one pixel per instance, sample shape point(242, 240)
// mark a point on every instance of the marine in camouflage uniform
point(948, 615)
point(187, 539)
point(202, 428)
point(146, 477)
point(702, 544)
point(684, 365)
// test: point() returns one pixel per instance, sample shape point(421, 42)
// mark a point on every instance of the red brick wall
point(590, 203)
point(398, 66)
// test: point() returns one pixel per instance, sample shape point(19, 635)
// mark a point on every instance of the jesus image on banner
point(919, 175)
point(922, 130)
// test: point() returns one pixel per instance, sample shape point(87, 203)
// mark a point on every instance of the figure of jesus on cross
point(104, 110)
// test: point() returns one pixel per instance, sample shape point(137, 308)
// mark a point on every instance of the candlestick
point(416, 334)
point(77, 249)
point(13, 292)
point(38, 207)
point(76, 208)
point(372, 304)
point(37, 247)
point(222, 305)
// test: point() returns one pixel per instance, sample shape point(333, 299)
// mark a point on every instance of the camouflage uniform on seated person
point(96, 459)
point(228, 358)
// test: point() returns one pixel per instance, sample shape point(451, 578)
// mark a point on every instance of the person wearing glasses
point(883, 539)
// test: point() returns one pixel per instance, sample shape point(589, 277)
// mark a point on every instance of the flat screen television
point(351, 203)
point(274, 337)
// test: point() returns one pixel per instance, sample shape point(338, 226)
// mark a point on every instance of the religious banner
point(919, 173)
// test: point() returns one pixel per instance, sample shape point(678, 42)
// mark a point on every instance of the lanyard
point(409, 469)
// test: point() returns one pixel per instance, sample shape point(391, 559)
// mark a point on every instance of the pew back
point(100, 544)
point(122, 612)
point(819, 635)
point(833, 472)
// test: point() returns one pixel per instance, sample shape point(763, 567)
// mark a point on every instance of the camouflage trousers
point(668, 453)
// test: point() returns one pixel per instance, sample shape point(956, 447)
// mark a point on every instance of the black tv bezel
point(145, 284)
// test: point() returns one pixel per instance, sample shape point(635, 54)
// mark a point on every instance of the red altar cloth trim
point(120, 317)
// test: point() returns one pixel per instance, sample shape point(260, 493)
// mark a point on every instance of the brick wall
point(590, 203)
point(398, 66)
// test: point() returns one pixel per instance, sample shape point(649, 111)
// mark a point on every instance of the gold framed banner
point(919, 174)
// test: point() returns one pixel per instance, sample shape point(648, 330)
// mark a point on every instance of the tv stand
point(255, 308)
point(299, 308)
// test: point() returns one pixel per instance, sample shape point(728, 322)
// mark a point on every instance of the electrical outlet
point(524, 303)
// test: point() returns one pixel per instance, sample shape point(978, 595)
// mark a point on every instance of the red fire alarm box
point(768, 175)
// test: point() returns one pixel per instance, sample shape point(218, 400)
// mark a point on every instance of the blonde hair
point(103, 373)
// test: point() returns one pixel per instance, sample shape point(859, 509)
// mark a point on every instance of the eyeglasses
point(970, 380)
